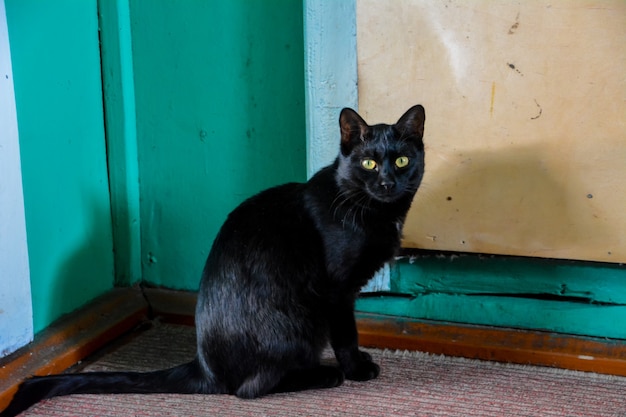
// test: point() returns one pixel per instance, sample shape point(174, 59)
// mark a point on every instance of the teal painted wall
point(201, 113)
point(58, 92)
point(219, 89)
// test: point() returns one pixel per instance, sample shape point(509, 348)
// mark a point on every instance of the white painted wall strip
point(16, 314)
point(331, 84)
point(330, 75)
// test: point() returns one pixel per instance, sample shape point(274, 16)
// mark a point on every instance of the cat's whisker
point(356, 202)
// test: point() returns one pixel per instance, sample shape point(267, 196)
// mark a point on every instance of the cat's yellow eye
point(402, 161)
point(369, 164)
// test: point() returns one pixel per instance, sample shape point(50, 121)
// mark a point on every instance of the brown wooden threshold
point(79, 334)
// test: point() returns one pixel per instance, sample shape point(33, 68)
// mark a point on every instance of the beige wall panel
point(525, 120)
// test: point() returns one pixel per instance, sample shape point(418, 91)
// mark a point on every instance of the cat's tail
point(183, 379)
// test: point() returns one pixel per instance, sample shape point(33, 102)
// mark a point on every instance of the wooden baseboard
point(488, 343)
point(79, 334)
point(172, 306)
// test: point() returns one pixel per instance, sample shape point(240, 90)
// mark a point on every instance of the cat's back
point(274, 209)
point(271, 230)
point(281, 212)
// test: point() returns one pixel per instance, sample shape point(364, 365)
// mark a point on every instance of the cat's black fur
point(282, 277)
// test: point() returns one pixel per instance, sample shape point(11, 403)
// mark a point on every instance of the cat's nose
point(387, 184)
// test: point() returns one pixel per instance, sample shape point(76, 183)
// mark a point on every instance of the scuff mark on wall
point(515, 25)
point(540, 111)
point(514, 68)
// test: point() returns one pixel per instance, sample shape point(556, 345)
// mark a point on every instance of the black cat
point(282, 277)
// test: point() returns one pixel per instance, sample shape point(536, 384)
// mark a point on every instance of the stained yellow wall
point(526, 120)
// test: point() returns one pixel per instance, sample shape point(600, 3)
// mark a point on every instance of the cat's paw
point(363, 369)
point(365, 356)
point(356, 364)
point(330, 377)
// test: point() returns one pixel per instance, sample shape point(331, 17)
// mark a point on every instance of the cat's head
point(384, 161)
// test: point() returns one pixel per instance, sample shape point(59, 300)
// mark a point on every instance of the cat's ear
point(353, 130)
point(412, 123)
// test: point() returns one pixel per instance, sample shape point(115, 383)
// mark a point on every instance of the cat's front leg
point(356, 364)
